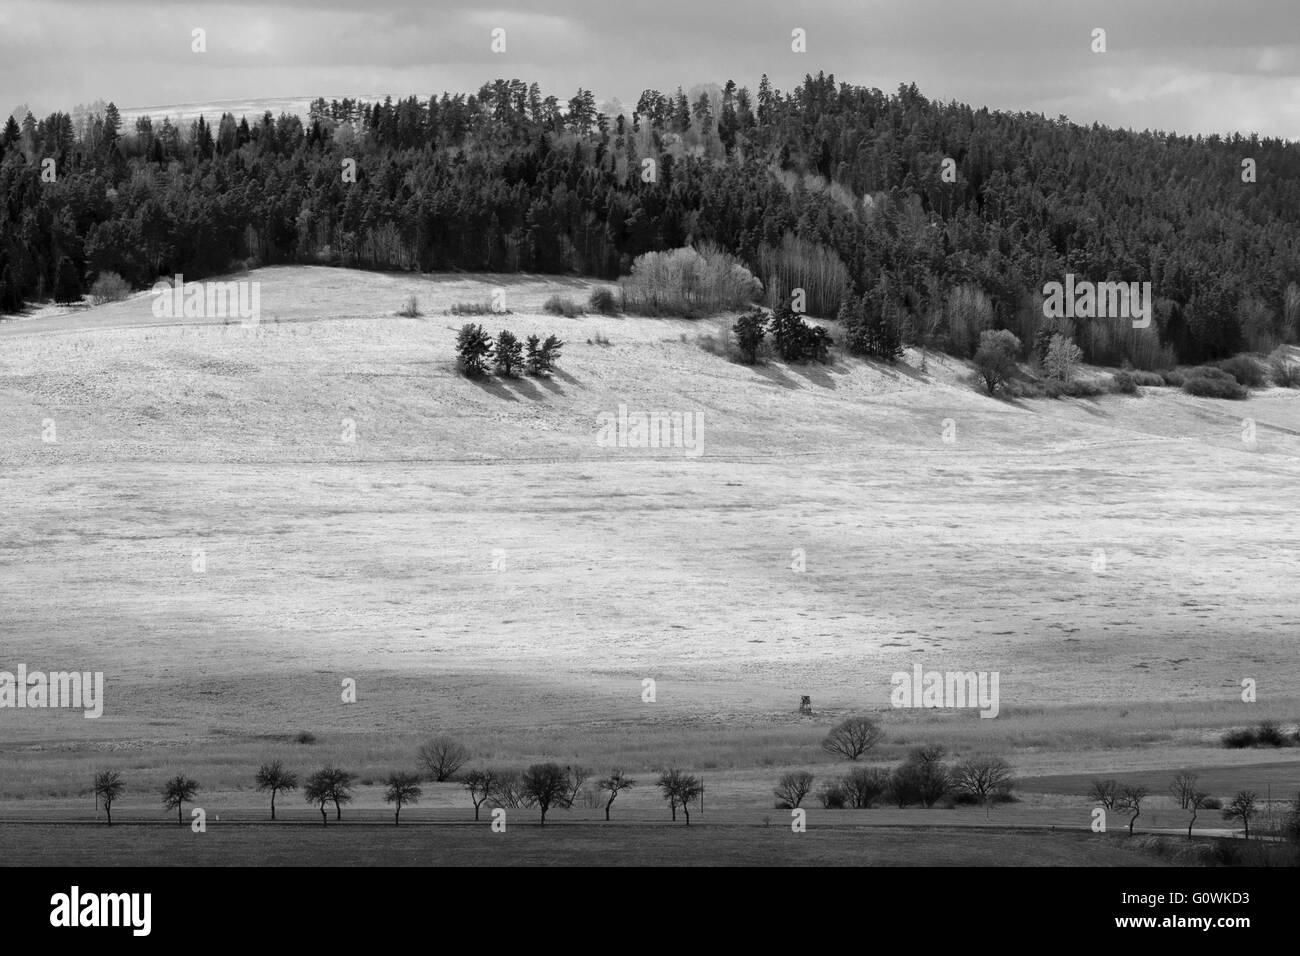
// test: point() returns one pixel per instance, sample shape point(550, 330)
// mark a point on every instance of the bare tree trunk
point(272, 804)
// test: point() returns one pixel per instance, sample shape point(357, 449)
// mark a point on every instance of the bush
point(109, 287)
point(305, 737)
point(562, 305)
point(475, 308)
point(1124, 383)
point(411, 309)
point(1239, 739)
point(863, 786)
point(1245, 370)
point(1283, 372)
point(1204, 386)
point(1146, 379)
point(1269, 735)
point(719, 344)
point(995, 359)
point(1212, 803)
point(603, 301)
point(831, 795)
point(1174, 376)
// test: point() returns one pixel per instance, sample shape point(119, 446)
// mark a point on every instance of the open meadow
point(230, 522)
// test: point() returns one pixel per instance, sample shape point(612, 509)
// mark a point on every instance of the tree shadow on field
point(545, 382)
point(565, 377)
point(774, 375)
point(816, 374)
point(523, 386)
point(493, 386)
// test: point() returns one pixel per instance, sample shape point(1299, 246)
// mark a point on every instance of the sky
point(1187, 66)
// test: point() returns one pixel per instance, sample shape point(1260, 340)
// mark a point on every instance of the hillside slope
point(475, 550)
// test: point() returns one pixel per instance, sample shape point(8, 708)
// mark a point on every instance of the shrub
point(411, 309)
point(1283, 372)
point(1146, 379)
point(562, 305)
point(475, 308)
point(795, 340)
point(1174, 376)
point(1124, 383)
point(305, 737)
point(863, 786)
point(603, 301)
point(109, 287)
point(1245, 370)
point(831, 795)
point(1239, 738)
point(473, 348)
point(995, 360)
point(719, 344)
point(1267, 734)
point(1204, 386)
point(1212, 803)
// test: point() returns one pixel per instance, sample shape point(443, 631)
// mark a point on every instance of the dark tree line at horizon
point(506, 180)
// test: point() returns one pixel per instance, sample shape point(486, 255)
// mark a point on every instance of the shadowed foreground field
point(559, 844)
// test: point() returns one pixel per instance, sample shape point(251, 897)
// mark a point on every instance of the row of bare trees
point(1127, 798)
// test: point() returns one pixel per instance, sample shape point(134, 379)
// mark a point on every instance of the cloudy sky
point(1182, 65)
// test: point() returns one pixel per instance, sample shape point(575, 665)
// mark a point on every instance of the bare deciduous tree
point(1182, 787)
point(177, 792)
point(863, 786)
point(403, 788)
point(1104, 793)
point(793, 787)
point(577, 776)
point(108, 787)
point(545, 785)
point(679, 789)
point(441, 757)
point(1129, 800)
point(329, 785)
point(508, 789)
point(982, 777)
point(1242, 807)
point(480, 784)
point(852, 738)
point(1195, 803)
point(273, 777)
point(614, 784)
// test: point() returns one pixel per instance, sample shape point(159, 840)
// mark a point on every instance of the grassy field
point(479, 565)
point(558, 842)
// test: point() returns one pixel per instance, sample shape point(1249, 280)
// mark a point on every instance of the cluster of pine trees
point(476, 351)
point(835, 186)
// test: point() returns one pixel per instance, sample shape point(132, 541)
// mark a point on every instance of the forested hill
point(506, 180)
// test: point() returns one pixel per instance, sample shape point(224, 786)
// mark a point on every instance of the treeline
point(836, 189)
